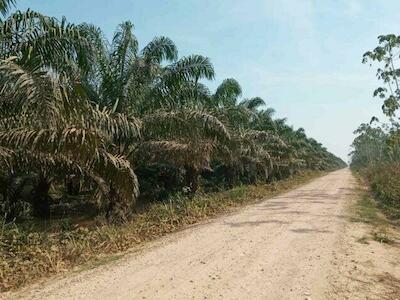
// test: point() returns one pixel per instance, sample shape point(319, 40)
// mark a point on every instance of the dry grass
point(366, 210)
point(29, 253)
point(377, 281)
point(385, 229)
point(384, 180)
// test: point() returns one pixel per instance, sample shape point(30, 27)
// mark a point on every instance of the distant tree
point(388, 55)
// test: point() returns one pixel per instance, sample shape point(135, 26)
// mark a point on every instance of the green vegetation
point(100, 137)
point(376, 149)
point(87, 120)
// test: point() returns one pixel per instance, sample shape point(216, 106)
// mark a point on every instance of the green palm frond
point(185, 95)
point(227, 93)
point(193, 67)
point(253, 103)
point(160, 49)
point(44, 42)
point(124, 47)
point(5, 6)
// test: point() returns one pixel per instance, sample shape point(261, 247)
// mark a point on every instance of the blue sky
point(302, 56)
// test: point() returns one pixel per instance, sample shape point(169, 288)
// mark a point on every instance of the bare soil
point(299, 245)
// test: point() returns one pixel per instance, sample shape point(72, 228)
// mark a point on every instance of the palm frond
point(40, 41)
point(184, 123)
point(227, 93)
point(253, 103)
point(124, 47)
point(5, 6)
point(175, 153)
point(193, 67)
point(160, 49)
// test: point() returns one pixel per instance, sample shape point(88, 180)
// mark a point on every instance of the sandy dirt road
point(281, 248)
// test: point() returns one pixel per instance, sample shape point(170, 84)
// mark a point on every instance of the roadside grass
point(30, 253)
point(384, 182)
point(382, 229)
point(368, 210)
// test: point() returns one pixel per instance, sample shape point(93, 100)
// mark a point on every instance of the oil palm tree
point(73, 103)
point(45, 115)
point(122, 75)
point(56, 131)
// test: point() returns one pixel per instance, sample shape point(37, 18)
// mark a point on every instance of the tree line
point(116, 122)
point(376, 148)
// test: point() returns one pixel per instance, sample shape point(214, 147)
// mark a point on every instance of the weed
point(382, 237)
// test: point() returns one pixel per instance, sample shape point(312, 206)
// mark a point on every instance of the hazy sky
point(302, 56)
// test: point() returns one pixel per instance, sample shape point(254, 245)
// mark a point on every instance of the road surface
point(281, 248)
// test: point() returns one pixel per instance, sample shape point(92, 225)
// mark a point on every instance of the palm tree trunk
point(230, 176)
point(192, 178)
point(41, 199)
point(72, 183)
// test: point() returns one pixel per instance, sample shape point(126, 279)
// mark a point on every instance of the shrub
point(384, 180)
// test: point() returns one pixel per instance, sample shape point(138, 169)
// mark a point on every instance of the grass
point(368, 210)
point(383, 229)
point(382, 237)
point(384, 182)
point(28, 253)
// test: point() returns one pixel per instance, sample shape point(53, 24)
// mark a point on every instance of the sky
point(303, 57)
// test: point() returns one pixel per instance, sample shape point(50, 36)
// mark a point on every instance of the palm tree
point(56, 131)
point(43, 43)
point(46, 121)
point(247, 154)
point(121, 76)
point(73, 103)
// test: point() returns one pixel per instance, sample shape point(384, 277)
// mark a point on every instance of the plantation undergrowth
point(28, 254)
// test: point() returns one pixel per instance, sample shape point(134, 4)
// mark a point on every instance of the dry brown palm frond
point(116, 125)
point(15, 79)
point(186, 122)
point(5, 157)
point(75, 141)
point(270, 138)
point(176, 153)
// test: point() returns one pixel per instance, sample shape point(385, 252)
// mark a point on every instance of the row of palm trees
point(81, 112)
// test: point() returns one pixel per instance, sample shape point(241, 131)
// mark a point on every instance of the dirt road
point(282, 248)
